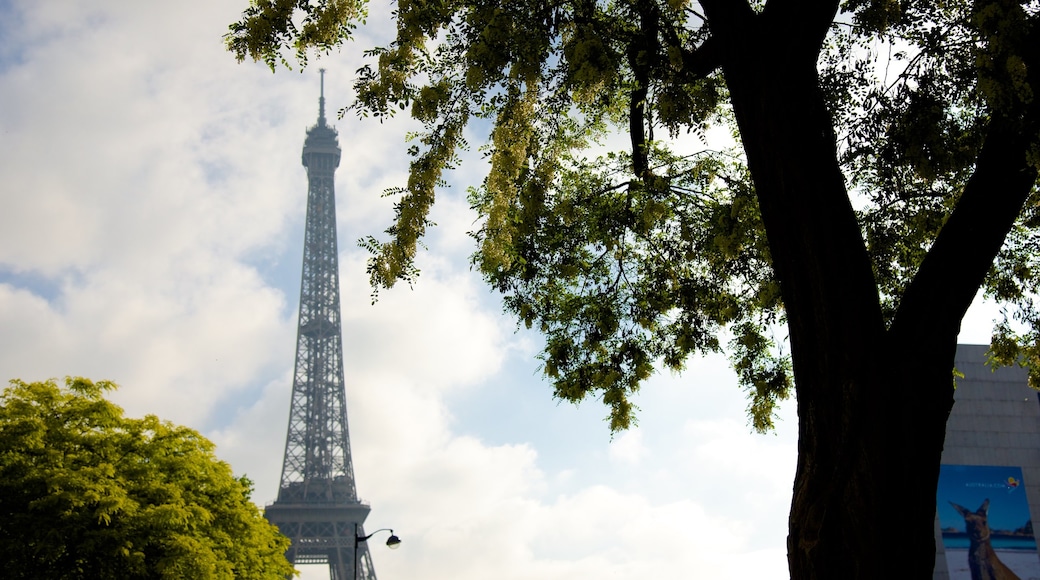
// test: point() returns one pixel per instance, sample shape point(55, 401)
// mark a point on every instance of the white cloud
point(438, 332)
point(628, 447)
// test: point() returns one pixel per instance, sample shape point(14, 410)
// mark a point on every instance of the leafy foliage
point(268, 26)
point(88, 493)
point(629, 254)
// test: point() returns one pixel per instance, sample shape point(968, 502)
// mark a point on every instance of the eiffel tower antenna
point(321, 100)
point(317, 505)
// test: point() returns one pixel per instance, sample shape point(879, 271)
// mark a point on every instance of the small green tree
point(86, 493)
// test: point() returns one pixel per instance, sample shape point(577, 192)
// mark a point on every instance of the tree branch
point(956, 266)
point(700, 61)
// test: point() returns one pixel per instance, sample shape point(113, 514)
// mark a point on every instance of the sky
point(151, 226)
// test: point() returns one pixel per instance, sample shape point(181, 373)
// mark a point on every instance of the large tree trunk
point(872, 411)
point(864, 491)
point(872, 401)
point(872, 408)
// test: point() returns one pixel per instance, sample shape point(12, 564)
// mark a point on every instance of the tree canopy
point(645, 254)
point(86, 493)
point(818, 188)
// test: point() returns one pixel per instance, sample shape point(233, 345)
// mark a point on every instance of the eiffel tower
point(317, 505)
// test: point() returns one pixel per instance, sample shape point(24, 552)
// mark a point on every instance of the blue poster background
point(1008, 516)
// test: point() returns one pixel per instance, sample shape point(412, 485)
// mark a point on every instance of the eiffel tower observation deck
point(317, 505)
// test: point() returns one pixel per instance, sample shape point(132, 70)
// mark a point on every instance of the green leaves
point(637, 253)
point(88, 493)
point(268, 28)
point(620, 276)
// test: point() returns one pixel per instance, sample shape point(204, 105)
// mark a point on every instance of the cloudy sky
point(151, 226)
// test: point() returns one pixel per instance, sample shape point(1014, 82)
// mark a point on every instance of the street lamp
point(393, 542)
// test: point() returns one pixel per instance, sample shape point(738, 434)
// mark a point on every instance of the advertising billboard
point(987, 531)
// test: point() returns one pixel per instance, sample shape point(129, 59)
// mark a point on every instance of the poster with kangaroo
point(987, 531)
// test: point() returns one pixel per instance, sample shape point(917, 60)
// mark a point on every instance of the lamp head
point(393, 542)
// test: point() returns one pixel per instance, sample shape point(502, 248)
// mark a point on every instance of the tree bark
point(869, 442)
point(872, 401)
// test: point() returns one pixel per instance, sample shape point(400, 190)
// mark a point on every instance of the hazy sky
point(151, 227)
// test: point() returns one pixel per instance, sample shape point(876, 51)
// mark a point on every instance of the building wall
point(995, 421)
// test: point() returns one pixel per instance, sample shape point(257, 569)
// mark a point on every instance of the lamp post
point(393, 542)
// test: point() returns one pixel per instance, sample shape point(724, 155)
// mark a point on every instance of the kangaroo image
point(982, 560)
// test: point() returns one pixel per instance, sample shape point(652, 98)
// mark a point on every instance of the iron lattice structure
point(317, 505)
